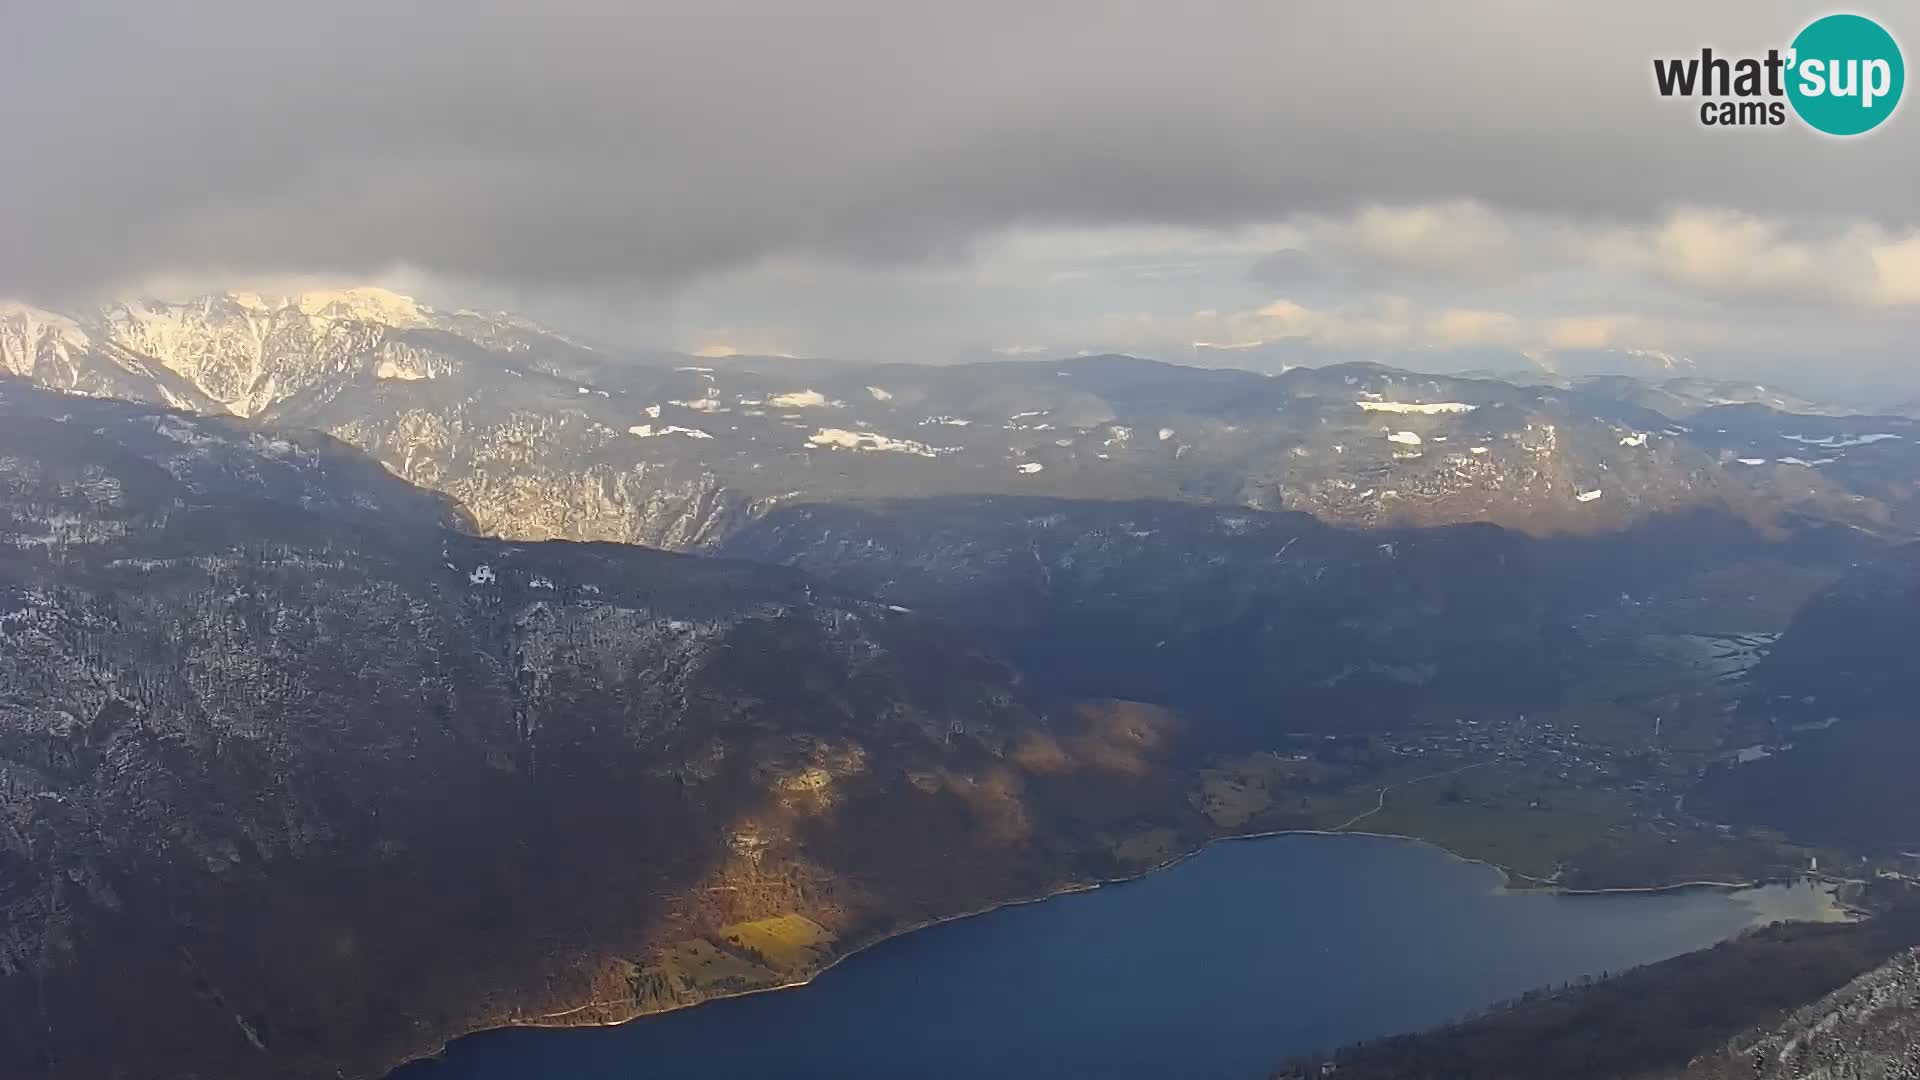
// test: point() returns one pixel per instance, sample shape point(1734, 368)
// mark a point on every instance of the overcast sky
point(904, 180)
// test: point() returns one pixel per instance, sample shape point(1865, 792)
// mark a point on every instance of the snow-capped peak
point(241, 352)
point(41, 321)
point(28, 333)
point(363, 304)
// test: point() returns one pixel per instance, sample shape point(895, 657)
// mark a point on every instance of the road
point(1382, 803)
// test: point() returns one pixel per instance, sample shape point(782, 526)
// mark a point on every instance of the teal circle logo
point(1845, 75)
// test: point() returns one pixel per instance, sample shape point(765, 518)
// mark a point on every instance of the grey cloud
point(1291, 268)
point(657, 141)
point(1333, 270)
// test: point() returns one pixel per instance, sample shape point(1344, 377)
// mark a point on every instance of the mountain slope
point(1259, 624)
point(296, 779)
point(1868, 1029)
point(1833, 709)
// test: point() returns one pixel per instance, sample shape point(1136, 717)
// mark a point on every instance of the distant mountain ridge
point(243, 353)
point(540, 436)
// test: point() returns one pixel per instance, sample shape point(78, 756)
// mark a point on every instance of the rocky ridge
point(1868, 1029)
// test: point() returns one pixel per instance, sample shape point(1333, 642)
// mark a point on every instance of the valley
point(359, 621)
point(763, 541)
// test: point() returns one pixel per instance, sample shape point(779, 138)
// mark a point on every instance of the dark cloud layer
point(659, 139)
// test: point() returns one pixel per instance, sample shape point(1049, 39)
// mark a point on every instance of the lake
point(1222, 966)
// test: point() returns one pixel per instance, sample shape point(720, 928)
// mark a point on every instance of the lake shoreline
point(1508, 876)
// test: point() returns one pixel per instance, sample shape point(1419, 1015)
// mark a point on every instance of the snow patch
point(1028, 468)
point(1587, 496)
point(842, 439)
point(1638, 438)
point(798, 399)
point(648, 431)
point(1166, 433)
point(390, 370)
point(181, 430)
point(705, 404)
point(1837, 442)
point(272, 446)
point(879, 394)
point(1434, 408)
point(482, 575)
point(1404, 438)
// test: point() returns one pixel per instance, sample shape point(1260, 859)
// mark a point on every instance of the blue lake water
point(1222, 966)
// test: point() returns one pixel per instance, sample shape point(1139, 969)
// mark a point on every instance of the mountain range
point(539, 436)
point(376, 673)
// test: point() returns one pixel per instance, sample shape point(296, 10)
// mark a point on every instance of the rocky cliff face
point(1868, 1029)
point(294, 777)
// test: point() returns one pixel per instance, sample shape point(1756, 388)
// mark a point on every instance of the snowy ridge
point(1437, 408)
